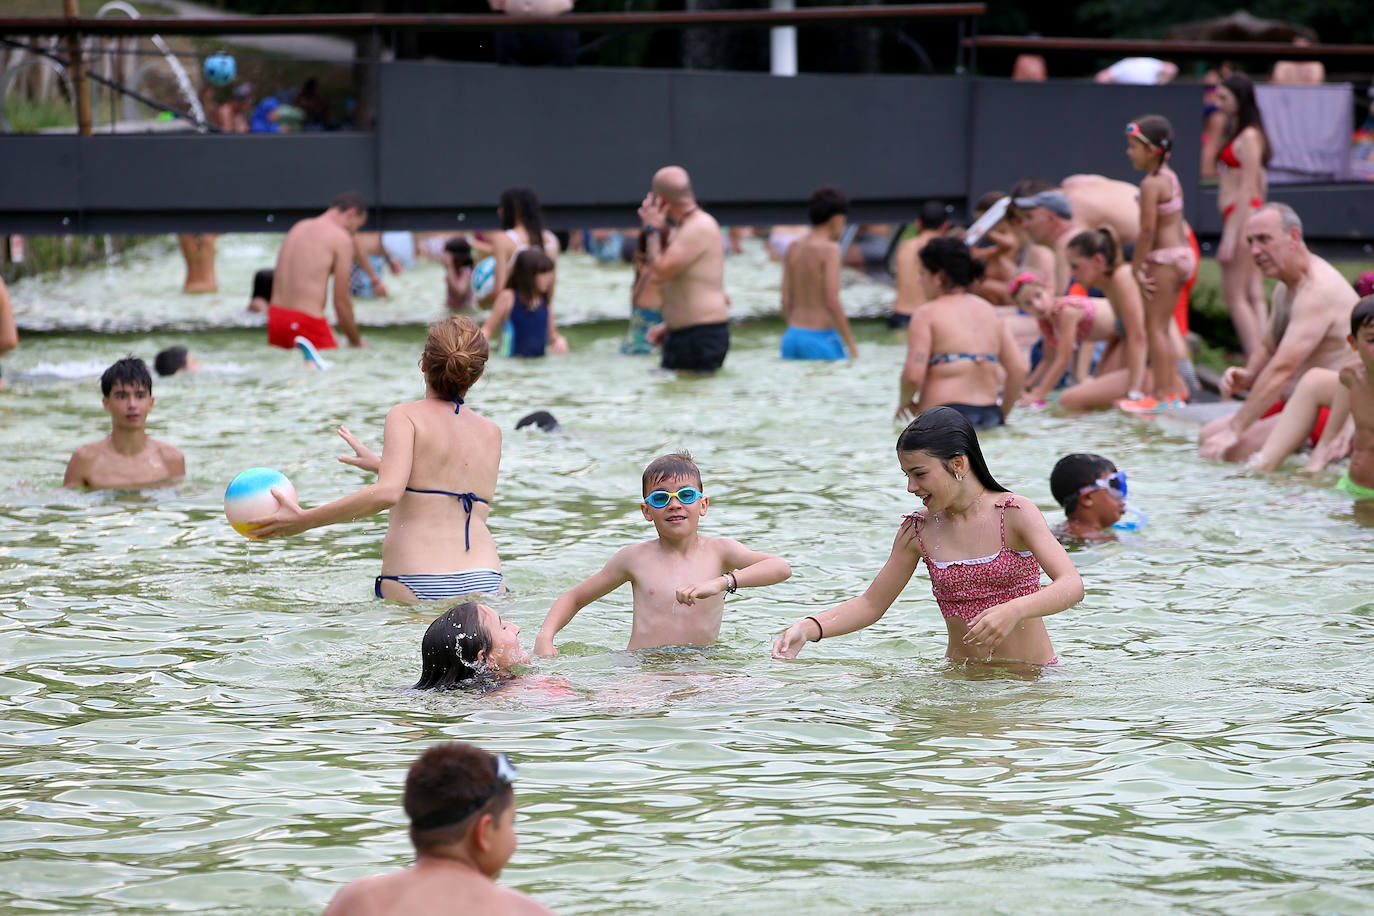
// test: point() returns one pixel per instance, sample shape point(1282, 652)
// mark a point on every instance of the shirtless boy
point(680, 578)
point(315, 250)
point(817, 327)
point(461, 804)
point(1307, 327)
point(695, 333)
point(126, 459)
point(1093, 494)
point(1358, 481)
point(934, 222)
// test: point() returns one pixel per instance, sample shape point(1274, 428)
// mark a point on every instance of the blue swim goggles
point(660, 498)
point(1115, 482)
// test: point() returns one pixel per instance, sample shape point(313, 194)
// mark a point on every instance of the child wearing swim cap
point(1093, 494)
point(984, 546)
point(680, 578)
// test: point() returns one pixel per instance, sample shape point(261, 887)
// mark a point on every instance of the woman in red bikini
point(1241, 192)
point(984, 547)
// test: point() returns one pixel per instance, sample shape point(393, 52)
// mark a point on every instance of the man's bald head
point(672, 183)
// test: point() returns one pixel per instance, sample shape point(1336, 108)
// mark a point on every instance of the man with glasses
point(461, 804)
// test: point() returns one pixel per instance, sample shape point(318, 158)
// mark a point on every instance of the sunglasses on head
point(685, 495)
point(1116, 481)
point(444, 817)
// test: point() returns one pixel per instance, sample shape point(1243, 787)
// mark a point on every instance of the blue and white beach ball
point(220, 69)
point(249, 496)
point(484, 277)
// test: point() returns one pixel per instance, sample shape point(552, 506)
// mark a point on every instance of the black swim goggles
point(453, 814)
point(686, 495)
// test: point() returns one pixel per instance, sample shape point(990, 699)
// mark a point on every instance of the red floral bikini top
point(966, 588)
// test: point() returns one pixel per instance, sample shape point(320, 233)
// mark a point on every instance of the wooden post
point(78, 72)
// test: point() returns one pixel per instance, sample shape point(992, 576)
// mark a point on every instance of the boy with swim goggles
point(680, 578)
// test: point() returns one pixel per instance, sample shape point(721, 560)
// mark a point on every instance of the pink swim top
point(1175, 203)
point(967, 588)
point(1085, 324)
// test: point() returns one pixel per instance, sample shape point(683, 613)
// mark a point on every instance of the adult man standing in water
point(1308, 323)
point(313, 251)
point(695, 332)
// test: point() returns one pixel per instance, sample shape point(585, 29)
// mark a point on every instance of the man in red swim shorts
point(313, 251)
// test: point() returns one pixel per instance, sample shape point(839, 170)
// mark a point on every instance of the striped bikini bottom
point(446, 586)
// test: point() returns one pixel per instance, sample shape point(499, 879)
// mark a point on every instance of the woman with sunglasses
point(437, 475)
point(984, 547)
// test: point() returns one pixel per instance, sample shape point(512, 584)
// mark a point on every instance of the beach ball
point(220, 69)
point(249, 496)
point(484, 277)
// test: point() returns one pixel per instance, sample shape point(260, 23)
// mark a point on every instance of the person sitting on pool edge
point(126, 459)
point(666, 612)
point(461, 804)
point(1093, 494)
point(817, 327)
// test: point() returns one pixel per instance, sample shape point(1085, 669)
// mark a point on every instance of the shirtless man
point(199, 252)
point(126, 459)
point(934, 222)
point(1307, 327)
point(817, 327)
point(461, 804)
point(695, 332)
point(1047, 219)
point(313, 251)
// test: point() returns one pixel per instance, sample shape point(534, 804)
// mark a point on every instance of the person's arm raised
point(990, 628)
point(398, 452)
point(611, 576)
point(863, 611)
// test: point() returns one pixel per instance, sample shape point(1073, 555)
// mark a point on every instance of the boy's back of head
point(825, 203)
point(446, 787)
point(668, 467)
point(170, 361)
point(1074, 472)
point(128, 371)
point(461, 250)
point(934, 214)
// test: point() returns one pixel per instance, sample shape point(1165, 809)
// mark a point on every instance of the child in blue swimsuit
point(524, 311)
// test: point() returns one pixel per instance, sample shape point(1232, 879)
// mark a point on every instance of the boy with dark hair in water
point(666, 611)
point(817, 327)
point(174, 360)
point(126, 459)
point(1093, 494)
point(461, 805)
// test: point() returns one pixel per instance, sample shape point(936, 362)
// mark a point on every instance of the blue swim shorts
point(806, 343)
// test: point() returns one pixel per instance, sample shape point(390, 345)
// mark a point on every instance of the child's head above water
point(673, 494)
point(128, 371)
point(454, 357)
point(1090, 488)
point(531, 276)
point(173, 360)
point(945, 434)
point(1361, 315)
point(454, 790)
point(460, 250)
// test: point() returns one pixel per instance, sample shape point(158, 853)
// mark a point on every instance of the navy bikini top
point(467, 499)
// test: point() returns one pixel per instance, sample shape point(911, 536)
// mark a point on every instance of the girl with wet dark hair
point(468, 646)
point(985, 563)
point(957, 344)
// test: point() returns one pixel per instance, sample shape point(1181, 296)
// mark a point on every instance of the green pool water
point(196, 722)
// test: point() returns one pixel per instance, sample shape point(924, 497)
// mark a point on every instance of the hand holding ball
point(249, 496)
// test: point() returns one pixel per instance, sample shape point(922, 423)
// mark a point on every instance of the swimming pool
point(197, 722)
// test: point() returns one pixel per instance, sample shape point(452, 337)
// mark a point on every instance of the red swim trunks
point(285, 325)
point(1323, 414)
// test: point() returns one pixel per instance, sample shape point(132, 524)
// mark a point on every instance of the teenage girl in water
point(1163, 259)
point(984, 547)
point(437, 475)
